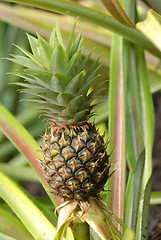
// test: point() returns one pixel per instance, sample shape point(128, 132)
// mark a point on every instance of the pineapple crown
point(55, 77)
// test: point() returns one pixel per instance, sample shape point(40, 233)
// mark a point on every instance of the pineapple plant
point(75, 162)
point(130, 102)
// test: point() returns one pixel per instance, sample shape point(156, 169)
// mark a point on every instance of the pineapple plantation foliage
point(83, 174)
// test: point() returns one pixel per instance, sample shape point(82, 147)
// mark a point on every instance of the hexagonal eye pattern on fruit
point(81, 165)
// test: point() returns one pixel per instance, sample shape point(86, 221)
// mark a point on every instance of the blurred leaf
point(19, 173)
point(60, 232)
point(5, 237)
point(7, 149)
point(155, 4)
point(94, 16)
point(36, 20)
point(151, 27)
point(155, 80)
point(103, 130)
point(43, 22)
point(81, 230)
point(26, 210)
point(128, 234)
point(45, 206)
point(101, 113)
point(12, 128)
point(11, 226)
point(69, 235)
point(24, 142)
point(155, 198)
point(114, 7)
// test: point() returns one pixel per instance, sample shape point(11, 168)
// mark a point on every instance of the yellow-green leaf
point(151, 27)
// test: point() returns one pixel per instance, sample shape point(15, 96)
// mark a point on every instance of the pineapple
point(75, 162)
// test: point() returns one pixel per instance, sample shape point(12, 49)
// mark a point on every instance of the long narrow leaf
point(134, 141)
point(5, 237)
point(148, 136)
point(137, 188)
point(117, 12)
point(23, 142)
point(24, 208)
point(19, 173)
point(117, 128)
point(134, 138)
point(143, 216)
point(11, 226)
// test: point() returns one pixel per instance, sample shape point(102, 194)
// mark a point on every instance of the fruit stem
point(81, 230)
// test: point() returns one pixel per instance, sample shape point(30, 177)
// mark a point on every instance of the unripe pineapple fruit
point(75, 162)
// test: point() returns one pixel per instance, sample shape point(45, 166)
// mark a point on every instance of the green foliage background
point(126, 110)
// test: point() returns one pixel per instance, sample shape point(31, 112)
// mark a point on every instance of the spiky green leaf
point(46, 52)
point(64, 98)
point(31, 56)
point(34, 45)
point(26, 62)
point(75, 84)
point(71, 68)
point(59, 36)
point(59, 60)
point(70, 40)
point(57, 79)
point(76, 45)
point(77, 101)
point(59, 82)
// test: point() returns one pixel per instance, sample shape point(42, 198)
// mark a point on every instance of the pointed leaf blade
point(59, 82)
point(59, 36)
point(34, 45)
point(76, 45)
point(71, 68)
point(70, 40)
point(26, 62)
point(64, 98)
point(46, 51)
point(75, 84)
point(59, 60)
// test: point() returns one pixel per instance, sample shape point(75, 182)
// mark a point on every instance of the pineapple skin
point(75, 162)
